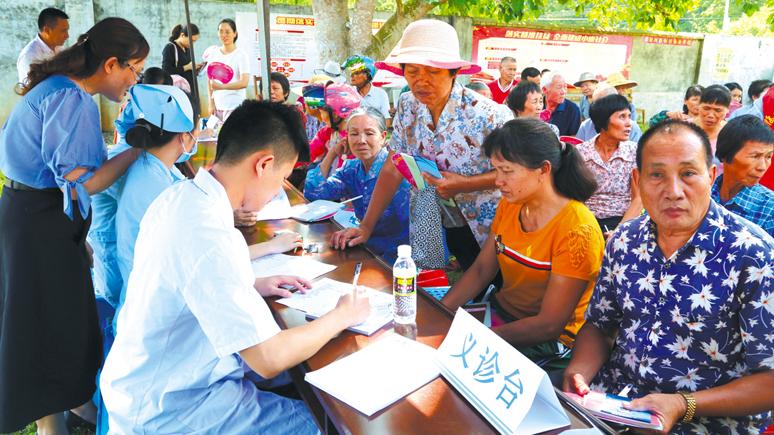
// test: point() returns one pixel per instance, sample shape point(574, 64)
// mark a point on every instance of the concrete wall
point(20, 25)
point(663, 71)
point(739, 59)
point(154, 18)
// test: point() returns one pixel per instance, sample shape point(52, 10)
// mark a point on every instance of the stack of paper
point(325, 294)
point(383, 373)
point(281, 264)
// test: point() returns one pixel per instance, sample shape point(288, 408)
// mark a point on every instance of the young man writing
point(194, 315)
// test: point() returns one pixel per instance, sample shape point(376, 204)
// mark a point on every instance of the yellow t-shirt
point(571, 244)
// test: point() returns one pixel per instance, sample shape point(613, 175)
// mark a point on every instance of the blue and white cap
point(166, 107)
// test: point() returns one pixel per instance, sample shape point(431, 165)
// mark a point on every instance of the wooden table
point(437, 406)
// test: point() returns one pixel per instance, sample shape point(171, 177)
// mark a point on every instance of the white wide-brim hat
point(431, 43)
point(331, 69)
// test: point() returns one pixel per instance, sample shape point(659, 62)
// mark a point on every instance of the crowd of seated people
point(619, 259)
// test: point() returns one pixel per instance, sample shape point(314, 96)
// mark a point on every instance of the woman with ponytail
point(52, 151)
point(176, 55)
point(164, 132)
point(543, 239)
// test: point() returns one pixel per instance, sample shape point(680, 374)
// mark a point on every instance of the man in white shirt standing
point(361, 74)
point(54, 27)
point(194, 320)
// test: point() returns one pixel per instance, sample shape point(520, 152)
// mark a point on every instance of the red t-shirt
point(499, 95)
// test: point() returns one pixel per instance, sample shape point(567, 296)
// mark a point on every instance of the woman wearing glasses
point(52, 151)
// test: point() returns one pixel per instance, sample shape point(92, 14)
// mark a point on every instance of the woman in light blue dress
point(52, 152)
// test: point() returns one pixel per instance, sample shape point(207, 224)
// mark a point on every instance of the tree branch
point(392, 30)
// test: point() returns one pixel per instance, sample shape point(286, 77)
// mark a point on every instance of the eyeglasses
point(137, 75)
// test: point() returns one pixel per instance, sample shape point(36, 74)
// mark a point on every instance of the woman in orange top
point(545, 242)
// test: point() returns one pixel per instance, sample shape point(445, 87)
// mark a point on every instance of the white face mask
point(186, 155)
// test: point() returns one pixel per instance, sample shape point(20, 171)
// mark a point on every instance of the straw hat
point(619, 81)
point(431, 43)
point(586, 77)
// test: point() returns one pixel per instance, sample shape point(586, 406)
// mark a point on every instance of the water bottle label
point(404, 286)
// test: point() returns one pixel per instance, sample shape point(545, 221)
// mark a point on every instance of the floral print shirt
point(614, 178)
point(700, 319)
point(454, 144)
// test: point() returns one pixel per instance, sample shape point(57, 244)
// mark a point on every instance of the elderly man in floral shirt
point(683, 310)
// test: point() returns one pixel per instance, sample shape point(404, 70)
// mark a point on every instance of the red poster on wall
point(569, 52)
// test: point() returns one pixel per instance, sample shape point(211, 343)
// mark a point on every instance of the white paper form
point(325, 294)
point(278, 208)
point(371, 379)
point(281, 264)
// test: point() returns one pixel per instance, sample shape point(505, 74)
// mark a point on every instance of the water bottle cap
point(404, 251)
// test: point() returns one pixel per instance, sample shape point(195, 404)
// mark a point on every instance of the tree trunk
point(331, 29)
point(390, 33)
point(360, 26)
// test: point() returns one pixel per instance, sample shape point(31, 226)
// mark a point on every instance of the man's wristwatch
point(690, 406)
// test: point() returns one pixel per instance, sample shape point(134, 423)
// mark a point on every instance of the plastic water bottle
point(404, 287)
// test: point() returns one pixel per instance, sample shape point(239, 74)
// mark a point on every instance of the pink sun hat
point(431, 43)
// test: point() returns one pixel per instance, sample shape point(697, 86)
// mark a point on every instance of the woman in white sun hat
point(446, 123)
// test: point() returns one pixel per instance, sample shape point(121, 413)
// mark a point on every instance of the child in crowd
point(335, 102)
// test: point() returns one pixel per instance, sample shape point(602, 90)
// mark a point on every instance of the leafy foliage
point(755, 17)
point(746, 19)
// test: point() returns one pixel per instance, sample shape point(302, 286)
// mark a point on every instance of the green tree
point(345, 25)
